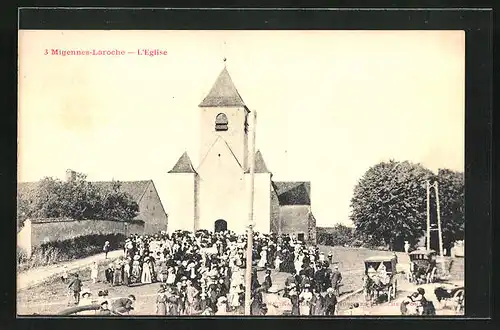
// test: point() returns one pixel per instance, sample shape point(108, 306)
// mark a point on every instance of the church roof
point(135, 189)
point(293, 192)
point(183, 165)
point(223, 93)
point(260, 164)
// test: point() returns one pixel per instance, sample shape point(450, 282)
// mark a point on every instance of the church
point(214, 195)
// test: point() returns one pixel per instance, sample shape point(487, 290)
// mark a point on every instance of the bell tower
point(223, 114)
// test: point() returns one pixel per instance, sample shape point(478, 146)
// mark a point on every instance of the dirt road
point(36, 276)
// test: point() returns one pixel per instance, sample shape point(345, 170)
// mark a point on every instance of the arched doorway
point(220, 225)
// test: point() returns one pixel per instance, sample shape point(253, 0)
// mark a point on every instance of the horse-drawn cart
point(380, 278)
point(422, 266)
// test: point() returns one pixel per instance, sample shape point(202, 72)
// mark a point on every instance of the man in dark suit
point(336, 278)
point(75, 286)
point(330, 302)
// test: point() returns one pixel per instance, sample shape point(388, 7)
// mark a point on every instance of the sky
point(330, 104)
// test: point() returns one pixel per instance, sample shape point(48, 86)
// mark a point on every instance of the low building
point(144, 193)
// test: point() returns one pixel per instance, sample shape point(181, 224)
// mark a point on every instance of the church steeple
point(223, 93)
point(183, 165)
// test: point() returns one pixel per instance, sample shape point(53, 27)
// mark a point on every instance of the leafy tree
point(451, 202)
point(117, 204)
point(78, 199)
point(389, 203)
point(24, 210)
point(340, 235)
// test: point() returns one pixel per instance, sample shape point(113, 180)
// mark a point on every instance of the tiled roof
point(135, 189)
point(223, 93)
point(260, 164)
point(292, 192)
point(183, 165)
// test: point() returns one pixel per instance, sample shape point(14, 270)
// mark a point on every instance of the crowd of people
point(203, 272)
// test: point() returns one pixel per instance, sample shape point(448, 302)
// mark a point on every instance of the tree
point(78, 199)
point(24, 210)
point(389, 203)
point(451, 202)
point(117, 204)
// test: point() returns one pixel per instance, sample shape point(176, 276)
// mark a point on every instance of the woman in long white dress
point(234, 296)
point(171, 276)
point(94, 272)
point(263, 258)
point(146, 272)
point(305, 300)
point(298, 264)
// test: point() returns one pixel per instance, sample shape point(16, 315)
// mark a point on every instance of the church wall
point(312, 229)
point(234, 136)
point(181, 201)
point(262, 201)
point(275, 213)
point(151, 211)
point(222, 193)
point(295, 219)
point(223, 199)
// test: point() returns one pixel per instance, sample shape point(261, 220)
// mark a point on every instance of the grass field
point(51, 297)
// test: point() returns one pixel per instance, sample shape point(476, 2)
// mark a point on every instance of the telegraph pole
point(251, 159)
point(438, 210)
point(439, 219)
point(428, 241)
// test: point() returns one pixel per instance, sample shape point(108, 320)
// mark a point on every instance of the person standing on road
point(106, 249)
point(317, 303)
point(94, 272)
point(407, 246)
point(336, 279)
point(330, 302)
point(75, 286)
point(161, 301)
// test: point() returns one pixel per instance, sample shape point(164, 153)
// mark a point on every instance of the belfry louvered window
point(221, 122)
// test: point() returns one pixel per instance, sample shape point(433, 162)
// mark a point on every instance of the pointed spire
point(223, 93)
point(260, 164)
point(183, 165)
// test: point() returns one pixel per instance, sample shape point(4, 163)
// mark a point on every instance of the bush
point(339, 235)
point(76, 248)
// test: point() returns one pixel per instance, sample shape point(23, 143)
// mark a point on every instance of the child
point(106, 249)
point(94, 271)
point(109, 273)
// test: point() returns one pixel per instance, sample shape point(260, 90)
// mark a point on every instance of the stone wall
point(39, 231)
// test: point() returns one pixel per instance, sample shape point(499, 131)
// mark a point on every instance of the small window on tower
point(221, 122)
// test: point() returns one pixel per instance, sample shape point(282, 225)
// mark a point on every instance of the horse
point(371, 289)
